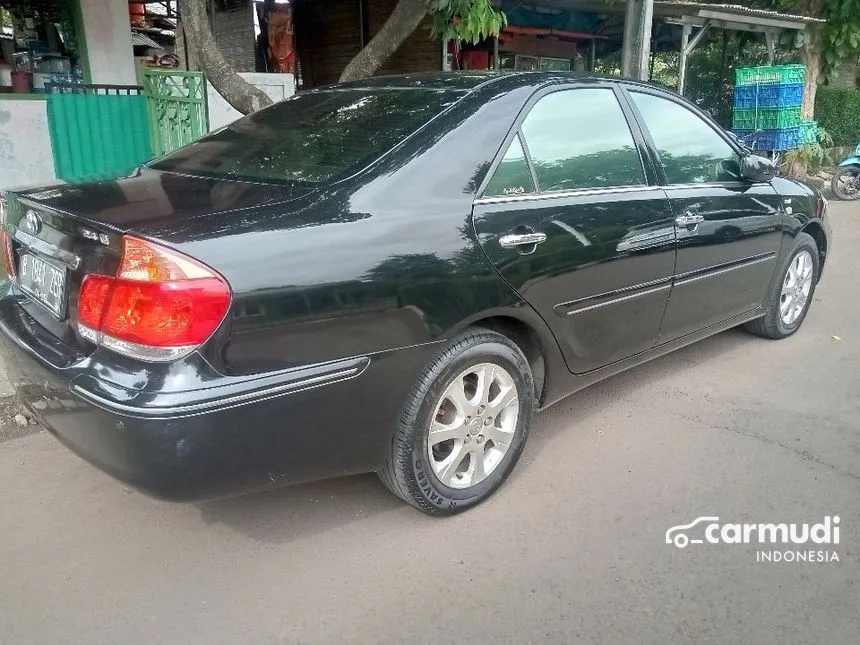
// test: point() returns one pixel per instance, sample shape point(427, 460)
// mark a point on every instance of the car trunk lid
point(60, 234)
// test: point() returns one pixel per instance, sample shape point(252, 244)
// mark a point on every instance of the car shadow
point(286, 514)
point(593, 400)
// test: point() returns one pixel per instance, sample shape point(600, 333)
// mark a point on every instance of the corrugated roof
point(733, 9)
point(142, 40)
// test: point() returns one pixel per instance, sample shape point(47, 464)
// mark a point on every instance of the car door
point(570, 219)
point(728, 229)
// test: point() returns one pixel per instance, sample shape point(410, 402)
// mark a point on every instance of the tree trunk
point(405, 18)
point(236, 90)
point(811, 57)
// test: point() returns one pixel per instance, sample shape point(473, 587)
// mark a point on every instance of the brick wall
point(234, 33)
point(328, 37)
point(419, 53)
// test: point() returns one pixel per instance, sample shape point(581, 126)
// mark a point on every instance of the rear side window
point(691, 152)
point(313, 138)
point(581, 139)
point(513, 176)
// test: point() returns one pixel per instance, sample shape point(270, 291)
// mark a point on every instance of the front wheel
point(790, 295)
point(846, 183)
point(463, 426)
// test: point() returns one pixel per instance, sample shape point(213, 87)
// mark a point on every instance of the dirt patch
point(12, 415)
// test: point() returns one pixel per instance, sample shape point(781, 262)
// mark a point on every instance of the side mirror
point(757, 169)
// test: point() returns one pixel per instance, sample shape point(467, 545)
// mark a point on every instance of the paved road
point(572, 550)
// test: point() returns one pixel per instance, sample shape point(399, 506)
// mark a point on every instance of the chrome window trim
point(715, 184)
point(579, 192)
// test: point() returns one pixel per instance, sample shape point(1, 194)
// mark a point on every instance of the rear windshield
point(312, 138)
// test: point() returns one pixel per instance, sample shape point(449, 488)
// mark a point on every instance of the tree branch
point(405, 18)
point(236, 90)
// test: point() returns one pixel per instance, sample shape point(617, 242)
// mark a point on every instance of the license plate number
point(43, 282)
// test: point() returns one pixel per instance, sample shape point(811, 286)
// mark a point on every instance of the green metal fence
point(97, 131)
point(176, 107)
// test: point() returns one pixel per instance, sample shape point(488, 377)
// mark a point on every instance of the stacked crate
point(768, 99)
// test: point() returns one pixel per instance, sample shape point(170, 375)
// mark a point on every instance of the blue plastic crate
point(785, 139)
point(768, 96)
point(808, 131)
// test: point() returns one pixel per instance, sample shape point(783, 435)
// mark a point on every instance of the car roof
point(470, 80)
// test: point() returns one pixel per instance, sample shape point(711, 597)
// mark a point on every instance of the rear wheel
point(846, 183)
point(791, 295)
point(463, 426)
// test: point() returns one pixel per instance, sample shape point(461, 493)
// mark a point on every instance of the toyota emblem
point(33, 223)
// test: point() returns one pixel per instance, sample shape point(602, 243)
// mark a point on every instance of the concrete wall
point(108, 40)
point(26, 158)
point(277, 86)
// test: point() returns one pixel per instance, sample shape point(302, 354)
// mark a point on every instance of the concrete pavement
point(572, 550)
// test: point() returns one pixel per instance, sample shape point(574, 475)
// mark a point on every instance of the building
point(54, 49)
point(72, 106)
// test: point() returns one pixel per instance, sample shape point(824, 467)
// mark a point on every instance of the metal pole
point(686, 30)
point(496, 53)
point(770, 38)
point(687, 46)
point(645, 39)
point(592, 55)
point(629, 38)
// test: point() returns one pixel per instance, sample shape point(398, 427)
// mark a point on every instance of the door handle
point(688, 219)
point(521, 239)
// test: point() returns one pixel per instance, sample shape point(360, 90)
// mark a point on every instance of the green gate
point(97, 131)
point(177, 108)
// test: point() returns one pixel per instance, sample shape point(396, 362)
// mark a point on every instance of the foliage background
point(837, 110)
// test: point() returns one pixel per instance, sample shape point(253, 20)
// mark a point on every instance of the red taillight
point(95, 290)
point(8, 255)
point(160, 306)
point(6, 242)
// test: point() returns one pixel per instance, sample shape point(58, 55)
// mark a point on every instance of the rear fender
point(850, 161)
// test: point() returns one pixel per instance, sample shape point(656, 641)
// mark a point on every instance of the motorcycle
point(846, 181)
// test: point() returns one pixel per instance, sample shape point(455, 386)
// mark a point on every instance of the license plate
point(44, 283)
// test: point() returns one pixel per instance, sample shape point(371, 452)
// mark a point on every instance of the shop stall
point(40, 45)
point(56, 55)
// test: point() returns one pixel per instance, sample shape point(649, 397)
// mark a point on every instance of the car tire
point(790, 297)
point(435, 475)
point(836, 183)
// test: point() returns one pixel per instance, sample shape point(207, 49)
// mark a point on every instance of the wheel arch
point(531, 335)
point(816, 232)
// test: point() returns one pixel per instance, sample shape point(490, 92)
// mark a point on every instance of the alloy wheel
point(796, 287)
point(473, 425)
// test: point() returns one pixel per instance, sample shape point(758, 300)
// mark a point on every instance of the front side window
point(580, 139)
point(691, 152)
point(513, 176)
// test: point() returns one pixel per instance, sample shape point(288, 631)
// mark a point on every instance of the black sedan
point(391, 276)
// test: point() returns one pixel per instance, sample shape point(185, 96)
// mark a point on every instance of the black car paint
point(281, 393)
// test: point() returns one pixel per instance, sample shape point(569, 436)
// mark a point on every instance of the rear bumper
point(305, 424)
